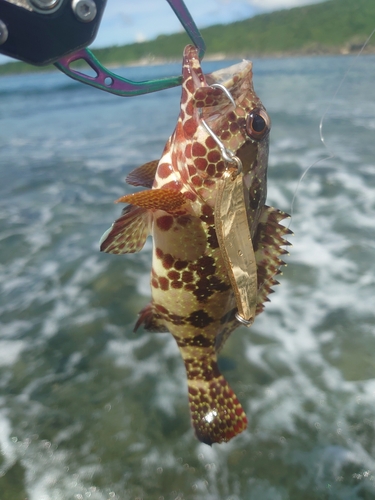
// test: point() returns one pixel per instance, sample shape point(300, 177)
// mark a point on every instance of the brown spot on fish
point(173, 275)
point(190, 108)
point(177, 284)
point(176, 319)
point(206, 266)
point(181, 264)
point(190, 196)
point(210, 143)
point(190, 127)
point(211, 169)
point(207, 211)
point(201, 291)
point(220, 167)
point(167, 261)
point(175, 186)
point(196, 180)
point(214, 156)
point(234, 127)
point(198, 149)
point(190, 287)
point(164, 170)
point(200, 163)
point(188, 151)
point(192, 170)
point(165, 222)
point(200, 318)
point(187, 276)
point(217, 285)
point(164, 283)
point(212, 238)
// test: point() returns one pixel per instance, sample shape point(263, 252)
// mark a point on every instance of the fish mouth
point(236, 78)
point(192, 67)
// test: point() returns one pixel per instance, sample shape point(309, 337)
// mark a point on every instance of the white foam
point(10, 351)
point(7, 447)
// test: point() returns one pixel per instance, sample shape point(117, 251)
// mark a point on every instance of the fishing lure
point(216, 244)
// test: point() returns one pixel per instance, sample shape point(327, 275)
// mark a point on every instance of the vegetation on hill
point(335, 26)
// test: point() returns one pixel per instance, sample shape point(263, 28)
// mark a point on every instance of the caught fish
point(216, 244)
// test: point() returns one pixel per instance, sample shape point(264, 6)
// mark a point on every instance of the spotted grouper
point(222, 127)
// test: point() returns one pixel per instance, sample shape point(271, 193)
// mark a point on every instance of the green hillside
point(335, 26)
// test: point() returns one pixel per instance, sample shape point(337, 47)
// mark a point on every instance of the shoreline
point(154, 61)
point(352, 50)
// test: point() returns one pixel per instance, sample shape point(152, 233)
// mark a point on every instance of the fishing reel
point(41, 32)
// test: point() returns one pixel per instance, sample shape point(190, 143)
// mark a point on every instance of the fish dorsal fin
point(268, 246)
point(169, 200)
point(144, 175)
point(267, 243)
point(127, 234)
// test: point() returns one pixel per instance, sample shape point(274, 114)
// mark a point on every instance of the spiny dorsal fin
point(169, 200)
point(144, 175)
point(268, 243)
point(128, 234)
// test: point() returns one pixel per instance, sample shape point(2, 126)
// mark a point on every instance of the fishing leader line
point(330, 153)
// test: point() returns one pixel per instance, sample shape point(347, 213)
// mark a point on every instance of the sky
point(127, 21)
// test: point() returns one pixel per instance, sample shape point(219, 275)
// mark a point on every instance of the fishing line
point(331, 154)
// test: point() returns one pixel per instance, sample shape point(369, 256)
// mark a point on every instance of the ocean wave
point(90, 409)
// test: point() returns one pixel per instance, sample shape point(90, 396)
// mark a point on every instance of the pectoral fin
point(143, 175)
point(128, 234)
point(150, 320)
point(169, 200)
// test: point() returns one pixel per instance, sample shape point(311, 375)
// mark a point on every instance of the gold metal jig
point(233, 232)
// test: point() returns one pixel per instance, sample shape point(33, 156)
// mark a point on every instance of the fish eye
point(258, 124)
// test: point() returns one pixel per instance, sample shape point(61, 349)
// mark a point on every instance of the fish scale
point(192, 294)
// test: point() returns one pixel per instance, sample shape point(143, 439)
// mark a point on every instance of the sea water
point(88, 409)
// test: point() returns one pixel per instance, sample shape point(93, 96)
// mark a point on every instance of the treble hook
point(110, 82)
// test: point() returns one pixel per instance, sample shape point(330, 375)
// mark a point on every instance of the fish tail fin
point(217, 415)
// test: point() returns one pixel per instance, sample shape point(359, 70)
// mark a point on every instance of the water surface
point(88, 409)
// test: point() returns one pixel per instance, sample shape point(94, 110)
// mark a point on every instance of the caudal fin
point(217, 415)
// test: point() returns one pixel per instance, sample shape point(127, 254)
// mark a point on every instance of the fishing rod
point(41, 32)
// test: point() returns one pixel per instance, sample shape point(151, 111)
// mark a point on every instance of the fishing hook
point(226, 153)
